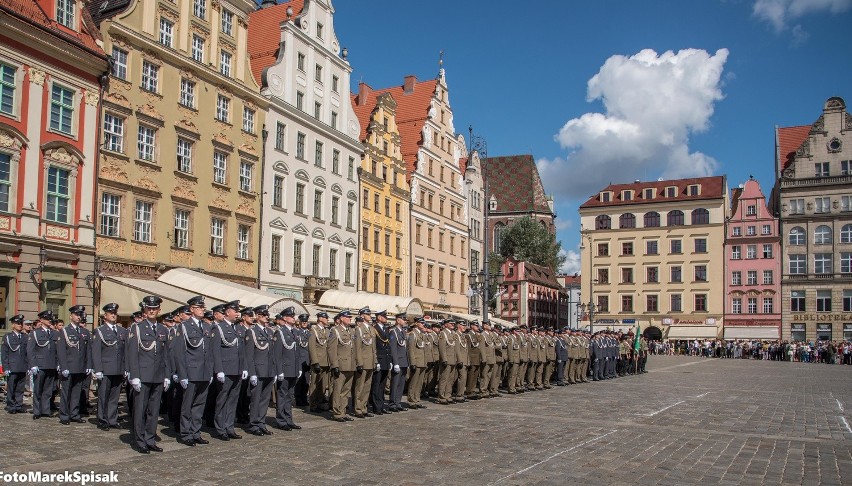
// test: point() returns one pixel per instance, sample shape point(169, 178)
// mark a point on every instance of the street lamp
point(481, 282)
point(591, 305)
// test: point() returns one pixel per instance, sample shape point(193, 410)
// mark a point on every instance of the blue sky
point(614, 91)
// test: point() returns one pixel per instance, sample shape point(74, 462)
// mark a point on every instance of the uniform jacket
point(41, 349)
point(191, 351)
point(447, 342)
point(418, 346)
point(550, 348)
point(433, 354)
point(561, 346)
point(398, 347)
point(523, 341)
point(258, 352)
point(13, 350)
point(383, 350)
point(227, 349)
point(341, 352)
point(303, 357)
point(318, 345)
point(108, 350)
point(487, 344)
point(462, 345)
point(474, 353)
point(285, 352)
point(72, 348)
point(146, 352)
point(364, 341)
point(514, 349)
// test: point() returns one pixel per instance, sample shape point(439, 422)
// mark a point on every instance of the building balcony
point(816, 181)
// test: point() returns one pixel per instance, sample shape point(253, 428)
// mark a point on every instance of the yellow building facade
point(181, 146)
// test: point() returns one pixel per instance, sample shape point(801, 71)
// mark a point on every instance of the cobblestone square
point(687, 421)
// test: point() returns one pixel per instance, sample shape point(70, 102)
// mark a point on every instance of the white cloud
point(779, 13)
point(572, 262)
point(652, 104)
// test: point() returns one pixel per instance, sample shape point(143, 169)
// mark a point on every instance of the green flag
point(636, 340)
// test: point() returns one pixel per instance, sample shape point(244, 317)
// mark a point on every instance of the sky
point(613, 91)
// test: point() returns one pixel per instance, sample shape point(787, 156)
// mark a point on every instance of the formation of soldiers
point(223, 366)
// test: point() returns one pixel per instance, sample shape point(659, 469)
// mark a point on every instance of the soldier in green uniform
point(341, 360)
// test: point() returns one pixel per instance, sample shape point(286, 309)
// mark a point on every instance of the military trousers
point(547, 373)
point(521, 376)
point(285, 395)
point(15, 386)
point(340, 393)
point(377, 389)
point(109, 389)
point(363, 386)
point(301, 389)
point(192, 408)
point(433, 371)
point(472, 385)
point(317, 387)
point(70, 392)
point(512, 379)
point(227, 395)
point(573, 370)
point(560, 371)
point(398, 386)
point(415, 383)
point(461, 381)
point(486, 374)
point(530, 378)
point(495, 379)
point(445, 382)
point(44, 383)
point(146, 410)
point(260, 396)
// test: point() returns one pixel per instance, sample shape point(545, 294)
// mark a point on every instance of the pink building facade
point(532, 295)
point(752, 267)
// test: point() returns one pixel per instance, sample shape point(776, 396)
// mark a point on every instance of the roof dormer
point(649, 193)
point(606, 196)
point(693, 190)
point(627, 195)
point(67, 14)
point(671, 191)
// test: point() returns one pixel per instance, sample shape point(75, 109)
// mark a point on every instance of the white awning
point(226, 291)
point(341, 299)
point(477, 317)
point(128, 293)
point(752, 332)
point(692, 332)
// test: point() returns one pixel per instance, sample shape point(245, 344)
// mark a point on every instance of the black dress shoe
point(283, 427)
point(349, 419)
point(157, 438)
point(80, 420)
point(235, 436)
point(188, 442)
point(201, 441)
point(339, 419)
point(116, 426)
point(368, 414)
point(36, 417)
point(155, 448)
point(142, 450)
point(11, 412)
point(64, 422)
point(266, 431)
point(103, 426)
point(360, 415)
point(295, 427)
point(256, 432)
point(224, 437)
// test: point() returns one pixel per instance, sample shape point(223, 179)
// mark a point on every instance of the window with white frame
point(150, 76)
point(822, 235)
point(736, 306)
point(225, 63)
point(751, 210)
point(823, 300)
point(767, 250)
point(300, 146)
point(335, 210)
point(315, 263)
point(217, 236)
point(65, 13)
point(181, 229)
point(798, 264)
point(736, 277)
point(243, 242)
point(766, 229)
point(317, 110)
point(275, 254)
point(736, 231)
point(278, 191)
point(280, 136)
point(846, 233)
point(300, 100)
point(797, 236)
point(821, 169)
point(736, 252)
point(187, 93)
point(797, 206)
point(61, 109)
point(184, 155)
point(846, 203)
point(113, 133)
point(751, 277)
point(335, 162)
point(317, 204)
point(751, 252)
point(197, 48)
point(846, 167)
point(319, 30)
point(300, 198)
point(246, 173)
point(318, 154)
point(752, 305)
point(300, 61)
point(199, 8)
point(318, 73)
point(146, 143)
point(220, 167)
point(822, 263)
point(248, 120)
point(5, 181)
point(119, 63)
point(166, 28)
point(8, 86)
point(58, 194)
point(333, 122)
point(142, 217)
point(768, 278)
point(227, 22)
point(223, 108)
point(751, 231)
point(822, 205)
point(297, 257)
point(110, 214)
point(335, 83)
point(845, 262)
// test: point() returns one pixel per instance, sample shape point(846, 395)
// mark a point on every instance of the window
point(315, 260)
point(751, 277)
point(300, 61)
point(701, 302)
point(751, 252)
point(335, 81)
point(604, 196)
point(387, 244)
point(347, 276)
point(65, 13)
point(376, 203)
point(736, 252)
point(246, 176)
point(767, 250)
point(845, 262)
point(317, 109)
point(351, 170)
point(627, 275)
point(275, 254)
point(220, 166)
point(822, 263)
point(297, 257)
point(676, 247)
point(166, 28)
point(603, 222)
point(846, 233)
point(61, 109)
point(822, 235)
point(823, 332)
point(335, 203)
point(751, 230)
point(146, 143)
point(334, 120)
point(736, 306)
point(387, 207)
point(441, 241)
point(217, 236)
point(766, 230)
point(736, 231)
point(846, 203)
point(675, 218)
point(119, 63)
point(603, 275)
point(300, 146)
point(751, 210)
point(846, 167)
point(627, 248)
point(797, 236)
point(652, 275)
point(798, 264)
point(350, 210)
point(627, 195)
point(184, 155)
point(752, 305)
point(318, 73)
point(150, 76)
point(626, 303)
point(248, 120)
point(225, 63)
point(300, 198)
point(110, 214)
point(701, 273)
point(223, 108)
point(332, 264)
point(821, 169)
point(651, 303)
point(113, 133)
point(278, 191)
point(768, 305)
point(318, 154)
point(701, 245)
point(797, 300)
point(366, 199)
point(736, 277)
point(797, 206)
point(651, 247)
point(300, 100)
point(627, 221)
point(365, 235)
point(677, 303)
point(418, 271)
point(797, 332)
point(694, 190)
point(142, 221)
point(335, 162)
point(652, 220)
point(280, 131)
point(603, 249)
point(227, 22)
point(319, 30)
point(822, 205)
point(187, 93)
point(181, 239)
point(317, 204)
point(399, 218)
point(676, 274)
point(199, 8)
point(429, 269)
point(847, 303)
point(700, 216)
point(823, 301)
point(768, 277)
point(648, 194)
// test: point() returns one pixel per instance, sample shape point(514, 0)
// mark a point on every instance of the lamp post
point(591, 305)
point(481, 282)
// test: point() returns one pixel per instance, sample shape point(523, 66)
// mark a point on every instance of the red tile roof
point(364, 106)
point(735, 199)
point(31, 12)
point(463, 164)
point(264, 35)
point(789, 140)
point(516, 184)
point(711, 188)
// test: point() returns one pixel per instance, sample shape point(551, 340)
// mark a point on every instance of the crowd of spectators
point(829, 352)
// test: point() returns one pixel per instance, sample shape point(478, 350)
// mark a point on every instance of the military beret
point(322, 314)
point(112, 308)
point(345, 313)
point(77, 309)
point(289, 312)
point(136, 314)
point(151, 301)
point(365, 310)
point(18, 319)
point(46, 315)
point(198, 300)
point(208, 315)
point(220, 308)
point(304, 317)
point(234, 304)
point(262, 310)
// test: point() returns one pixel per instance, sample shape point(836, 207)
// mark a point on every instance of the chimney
point(268, 3)
point(408, 84)
point(364, 91)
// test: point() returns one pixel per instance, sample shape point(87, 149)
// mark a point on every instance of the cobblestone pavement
point(689, 420)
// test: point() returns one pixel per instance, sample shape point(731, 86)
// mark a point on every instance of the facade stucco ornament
point(246, 207)
point(184, 192)
point(92, 98)
point(149, 110)
point(169, 13)
point(834, 145)
point(37, 76)
point(818, 126)
point(8, 141)
point(118, 99)
point(427, 136)
point(789, 172)
point(113, 173)
point(148, 183)
point(804, 150)
point(62, 156)
point(216, 5)
point(848, 121)
point(415, 185)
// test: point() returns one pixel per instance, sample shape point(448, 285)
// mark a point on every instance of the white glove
point(99, 376)
point(174, 377)
point(280, 377)
point(166, 383)
point(34, 370)
point(378, 367)
point(136, 383)
point(221, 377)
point(7, 372)
point(300, 375)
point(245, 374)
point(396, 368)
point(127, 374)
point(184, 383)
point(253, 380)
point(89, 371)
point(274, 379)
point(65, 373)
point(211, 380)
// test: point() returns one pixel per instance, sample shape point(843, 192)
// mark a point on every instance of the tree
point(527, 240)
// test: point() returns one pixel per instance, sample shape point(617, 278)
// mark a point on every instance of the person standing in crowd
point(108, 364)
point(261, 370)
point(365, 363)
point(41, 357)
point(341, 359)
point(285, 355)
point(229, 366)
point(302, 333)
point(13, 351)
point(192, 356)
point(383, 364)
point(320, 371)
point(417, 346)
point(399, 357)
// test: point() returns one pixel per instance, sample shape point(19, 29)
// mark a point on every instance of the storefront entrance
point(652, 333)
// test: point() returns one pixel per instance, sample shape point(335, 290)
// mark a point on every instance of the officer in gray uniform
point(41, 358)
point(192, 356)
point(72, 356)
point(13, 351)
point(229, 367)
point(108, 342)
point(561, 356)
point(303, 334)
point(285, 355)
point(399, 356)
point(148, 368)
point(261, 370)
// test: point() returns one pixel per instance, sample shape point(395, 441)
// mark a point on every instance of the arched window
point(627, 220)
point(846, 233)
point(603, 222)
point(498, 236)
point(652, 219)
point(822, 235)
point(700, 216)
point(797, 236)
point(675, 218)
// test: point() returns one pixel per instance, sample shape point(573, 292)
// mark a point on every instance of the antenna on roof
point(441, 59)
